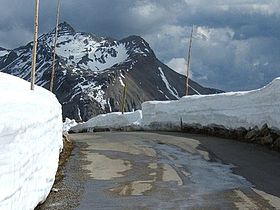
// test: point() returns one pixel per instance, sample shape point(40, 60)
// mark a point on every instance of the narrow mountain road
point(140, 170)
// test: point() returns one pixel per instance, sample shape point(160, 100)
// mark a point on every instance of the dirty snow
point(30, 138)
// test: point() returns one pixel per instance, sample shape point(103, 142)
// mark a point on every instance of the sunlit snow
point(31, 140)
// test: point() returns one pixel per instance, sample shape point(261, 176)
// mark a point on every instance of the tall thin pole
point(189, 63)
point(124, 97)
point(54, 47)
point(35, 42)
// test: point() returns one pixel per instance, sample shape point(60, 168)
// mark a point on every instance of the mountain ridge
point(91, 72)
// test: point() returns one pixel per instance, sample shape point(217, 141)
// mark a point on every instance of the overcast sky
point(236, 44)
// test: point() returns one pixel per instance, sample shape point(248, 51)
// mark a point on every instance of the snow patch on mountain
point(98, 95)
point(86, 51)
point(171, 89)
point(3, 52)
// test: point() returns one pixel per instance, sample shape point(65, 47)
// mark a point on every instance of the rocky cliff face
point(91, 72)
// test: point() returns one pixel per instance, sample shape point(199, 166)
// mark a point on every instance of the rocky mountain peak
point(3, 51)
point(136, 45)
point(65, 28)
point(91, 72)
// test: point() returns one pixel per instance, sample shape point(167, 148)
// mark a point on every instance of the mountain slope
point(91, 72)
point(3, 52)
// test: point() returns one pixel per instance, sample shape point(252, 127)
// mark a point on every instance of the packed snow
point(232, 110)
point(31, 140)
point(114, 120)
point(68, 124)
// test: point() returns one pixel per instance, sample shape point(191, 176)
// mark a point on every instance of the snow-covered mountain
point(3, 52)
point(92, 70)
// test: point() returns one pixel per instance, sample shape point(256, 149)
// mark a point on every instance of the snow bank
point(68, 124)
point(115, 120)
point(30, 142)
point(233, 110)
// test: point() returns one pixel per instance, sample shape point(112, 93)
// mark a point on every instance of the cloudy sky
point(236, 43)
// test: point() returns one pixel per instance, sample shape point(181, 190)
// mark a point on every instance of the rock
point(54, 190)
point(264, 130)
point(198, 126)
point(207, 130)
point(265, 126)
point(266, 140)
point(276, 130)
point(240, 133)
point(252, 135)
point(256, 128)
point(219, 130)
point(276, 144)
point(275, 133)
point(192, 128)
point(263, 136)
point(223, 133)
point(187, 128)
point(215, 126)
point(232, 134)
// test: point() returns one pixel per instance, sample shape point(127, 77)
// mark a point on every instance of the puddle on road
point(273, 200)
point(153, 165)
point(244, 203)
point(161, 175)
point(169, 174)
point(202, 176)
point(104, 168)
point(173, 164)
point(125, 147)
point(190, 146)
point(135, 188)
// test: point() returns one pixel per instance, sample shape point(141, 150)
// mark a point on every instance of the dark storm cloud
point(236, 42)
point(117, 18)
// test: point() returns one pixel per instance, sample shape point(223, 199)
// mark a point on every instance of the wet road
point(140, 170)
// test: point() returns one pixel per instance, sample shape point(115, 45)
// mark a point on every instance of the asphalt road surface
point(140, 170)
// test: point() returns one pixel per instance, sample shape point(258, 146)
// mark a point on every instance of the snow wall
point(68, 124)
point(30, 143)
point(114, 120)
point(232, 110)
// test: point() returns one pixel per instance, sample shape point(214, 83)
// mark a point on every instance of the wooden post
point(188, 63)
point(35, 42)
point(124, 97)
point(54, 47)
